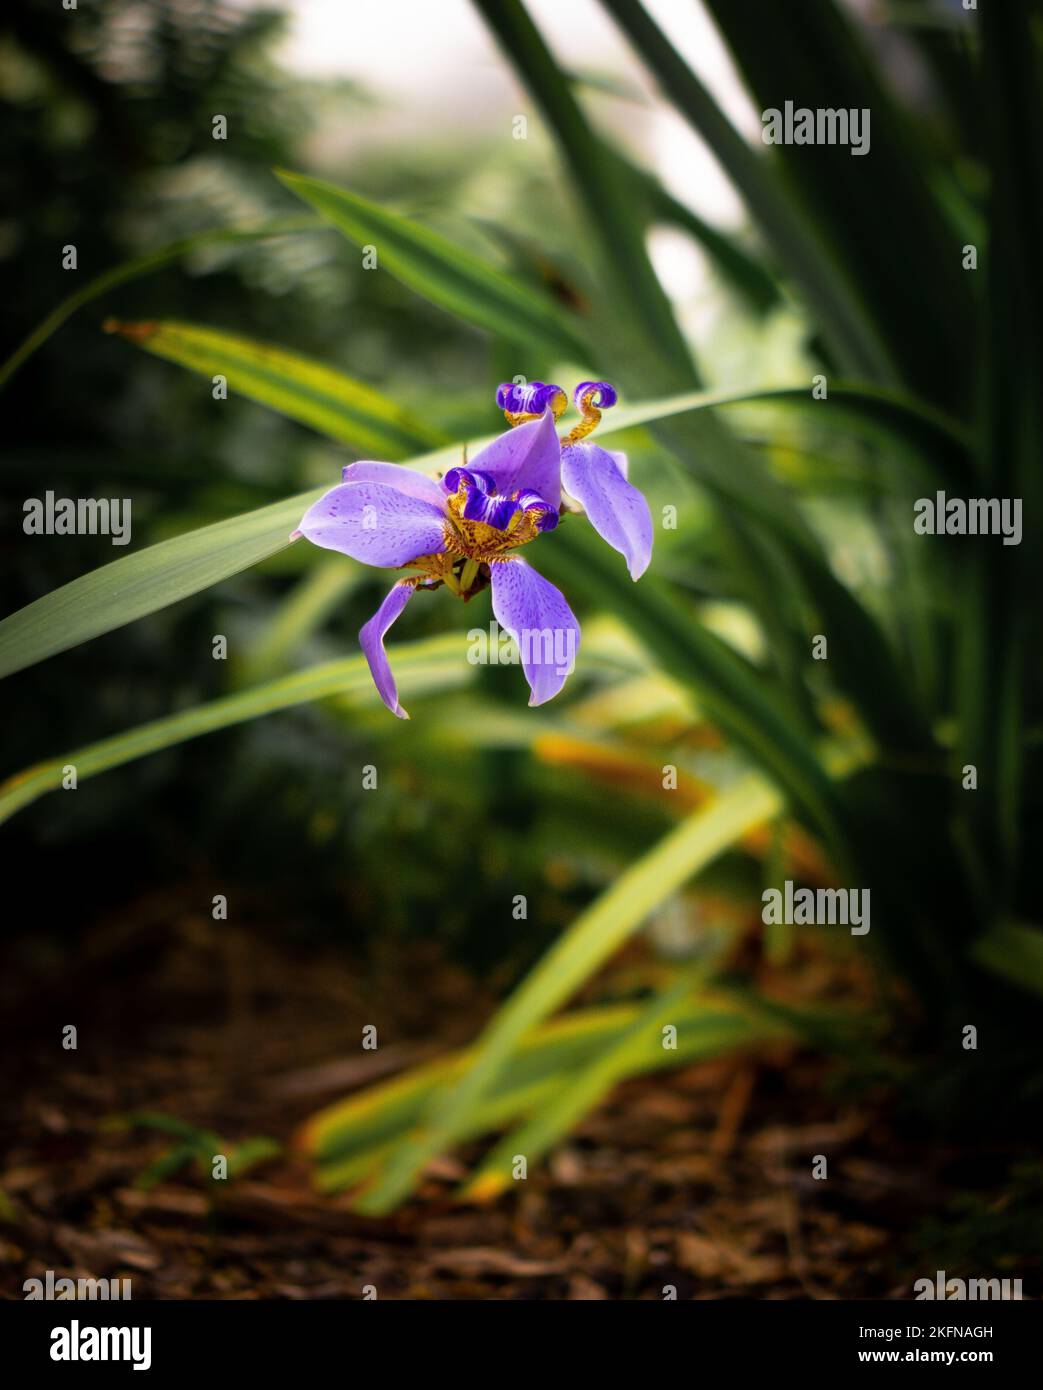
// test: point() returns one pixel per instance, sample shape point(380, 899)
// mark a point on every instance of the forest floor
point(700, 1178)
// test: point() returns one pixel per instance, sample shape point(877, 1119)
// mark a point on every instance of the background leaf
point(445, 273)
point(327, 400)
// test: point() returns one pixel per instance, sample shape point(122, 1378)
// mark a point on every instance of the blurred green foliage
point(787, 527)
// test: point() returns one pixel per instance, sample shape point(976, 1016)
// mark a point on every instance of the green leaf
point(739, 268)
point(436, 664)
point(595, 935)
point(166, 1166)
point(999, 627)
point(301, 613)
point(643, 309)
point(390, 1107)
point(943, 445)
point(330, 402)
point(136, 269)
point(1013, 951)
point(810, 259)
point(811, 52)
point(445, 273)
point(250, 1153)
point(349, 1140)
point(145, 581)
point(581, 1092)
point(728, 688)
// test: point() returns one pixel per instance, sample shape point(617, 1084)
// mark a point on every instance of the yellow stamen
point(591, 419)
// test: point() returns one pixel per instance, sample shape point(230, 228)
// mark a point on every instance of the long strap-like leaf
point(444, 272)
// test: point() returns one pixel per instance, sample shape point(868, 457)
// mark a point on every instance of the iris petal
point(617, 511)
point(376, 524)
point(529, 457)
point(371, 639)
point(536, 615)
point(394, 475)
point(530, 398)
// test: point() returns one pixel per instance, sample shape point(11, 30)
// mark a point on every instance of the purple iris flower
point(461, 530)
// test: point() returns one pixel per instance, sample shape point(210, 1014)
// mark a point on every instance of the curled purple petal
point(546, 516)
point(395, 475)
point(603, 394)
point(371, 639)
point(481, 502)
point(617, 511)
point(376, 524)
point(494, 511)
point(452, 480)
point(530, 398)
point(529, 457)
point(536, 615)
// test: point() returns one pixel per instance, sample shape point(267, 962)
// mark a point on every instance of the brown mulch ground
point(698, 1179)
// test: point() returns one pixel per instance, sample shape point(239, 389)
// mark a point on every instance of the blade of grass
point(998, 630)
point(302, 612)
point(643, 305)
point(142, 583)
point(334, 404)
point(810, 260)
point(435, 664)
point(139, 267)
point(812, 53)
point(740, 269)
point(727, 688)
point(1014, 952)
point(445, 273)
point(368, 1119)
point(370, 1123)
point(595, 935)
point(576, 1095)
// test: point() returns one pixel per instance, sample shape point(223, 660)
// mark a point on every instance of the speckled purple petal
point(528, 456)
point(376, 524)
point(371, 638)
point(536, 615)
point(617, 511)
point(394, 475)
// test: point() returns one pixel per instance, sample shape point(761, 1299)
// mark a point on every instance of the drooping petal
point(536, 615)
point(376, 524)
point(371, 639)
point(617, 511)
point(528, 456)
point(395, 475)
